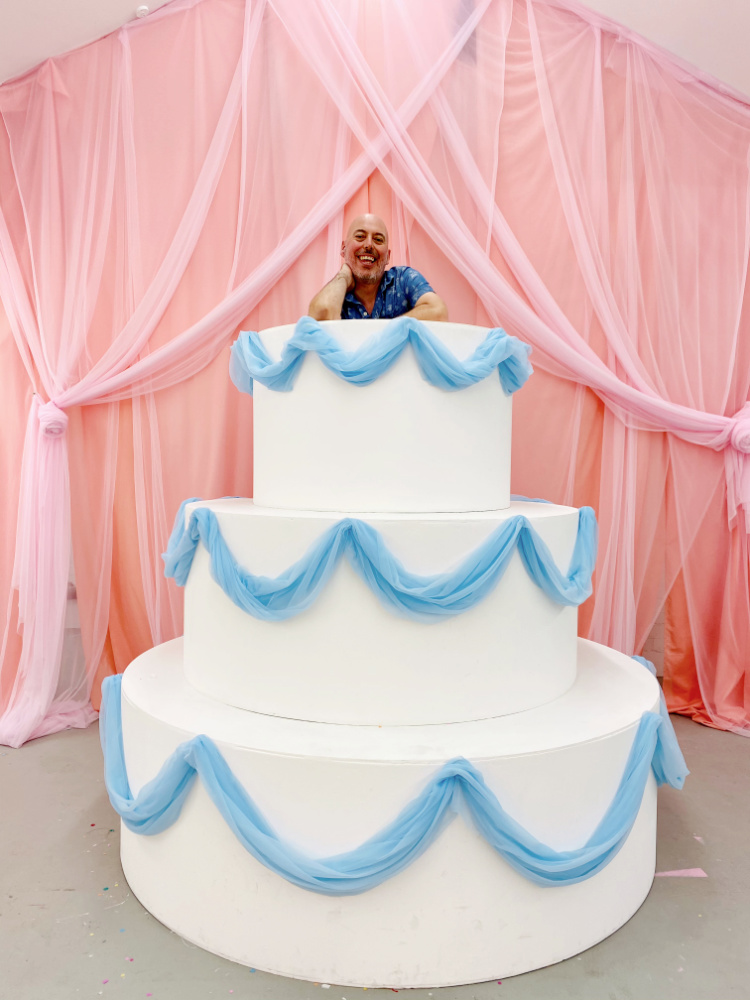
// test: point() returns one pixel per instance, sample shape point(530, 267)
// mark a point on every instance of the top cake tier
point(401, 442)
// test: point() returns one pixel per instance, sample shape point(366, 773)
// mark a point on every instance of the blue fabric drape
point(457, 786)
point(668, 758)
point(423, 598)
point(249, 360)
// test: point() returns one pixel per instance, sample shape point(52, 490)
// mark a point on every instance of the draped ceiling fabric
point(189, 176)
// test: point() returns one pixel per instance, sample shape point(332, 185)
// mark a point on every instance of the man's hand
point(346, 272)
point(329, 300)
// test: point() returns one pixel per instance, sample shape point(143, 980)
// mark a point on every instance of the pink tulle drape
point(191, 173)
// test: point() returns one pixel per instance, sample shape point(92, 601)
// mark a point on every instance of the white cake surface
point(459, 914)
point(347, 659)
point(336, 719)
point(398, 444)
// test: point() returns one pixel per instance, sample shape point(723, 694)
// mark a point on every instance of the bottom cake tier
point(459, 913)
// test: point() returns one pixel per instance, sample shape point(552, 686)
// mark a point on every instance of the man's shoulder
point(402, 271)
point(407, 279)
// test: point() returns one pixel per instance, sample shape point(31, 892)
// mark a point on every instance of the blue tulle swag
point(457, 787)
point(669, 760)
point(250, 362)
point(423, 598)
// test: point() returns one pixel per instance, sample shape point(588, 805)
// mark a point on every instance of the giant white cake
point(333, 720)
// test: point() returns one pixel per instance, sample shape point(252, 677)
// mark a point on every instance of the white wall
point(34, 30)
point(713, 35)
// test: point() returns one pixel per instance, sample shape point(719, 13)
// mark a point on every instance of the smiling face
point(365, 249)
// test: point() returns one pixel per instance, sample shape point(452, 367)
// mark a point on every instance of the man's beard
point(369, 278)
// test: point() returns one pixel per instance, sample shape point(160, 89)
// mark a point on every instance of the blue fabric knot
point(250, 361)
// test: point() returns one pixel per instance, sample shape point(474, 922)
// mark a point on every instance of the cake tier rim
point(247, 506)
point(154, 683)
point(373, 324)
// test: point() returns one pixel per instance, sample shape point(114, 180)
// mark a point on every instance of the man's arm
point(429, 306)
point(329, 300)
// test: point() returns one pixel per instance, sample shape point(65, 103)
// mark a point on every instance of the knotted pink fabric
point(52, 419)
point(737, 461)
point(548, 171)
point(740, 436)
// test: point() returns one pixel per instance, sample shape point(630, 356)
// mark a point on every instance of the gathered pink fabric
point(191, 174)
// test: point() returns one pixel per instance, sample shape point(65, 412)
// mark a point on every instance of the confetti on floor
point(683, 873)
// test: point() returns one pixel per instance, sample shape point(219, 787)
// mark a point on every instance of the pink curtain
point(189, 175)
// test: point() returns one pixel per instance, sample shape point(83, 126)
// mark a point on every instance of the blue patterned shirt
point(399, 290)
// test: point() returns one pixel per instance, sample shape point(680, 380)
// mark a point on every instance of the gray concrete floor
point(70, 928)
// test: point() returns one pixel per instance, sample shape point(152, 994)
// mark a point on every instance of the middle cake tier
point(357, 654)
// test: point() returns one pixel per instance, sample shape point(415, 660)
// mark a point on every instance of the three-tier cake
point(381, 608)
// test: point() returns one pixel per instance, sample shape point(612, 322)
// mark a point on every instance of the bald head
point(368, 222)
point(365, 249)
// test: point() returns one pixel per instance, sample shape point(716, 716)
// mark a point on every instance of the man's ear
point(343, 247)
point(388, 258)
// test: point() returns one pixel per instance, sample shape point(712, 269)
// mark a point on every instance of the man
point(363, 289)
